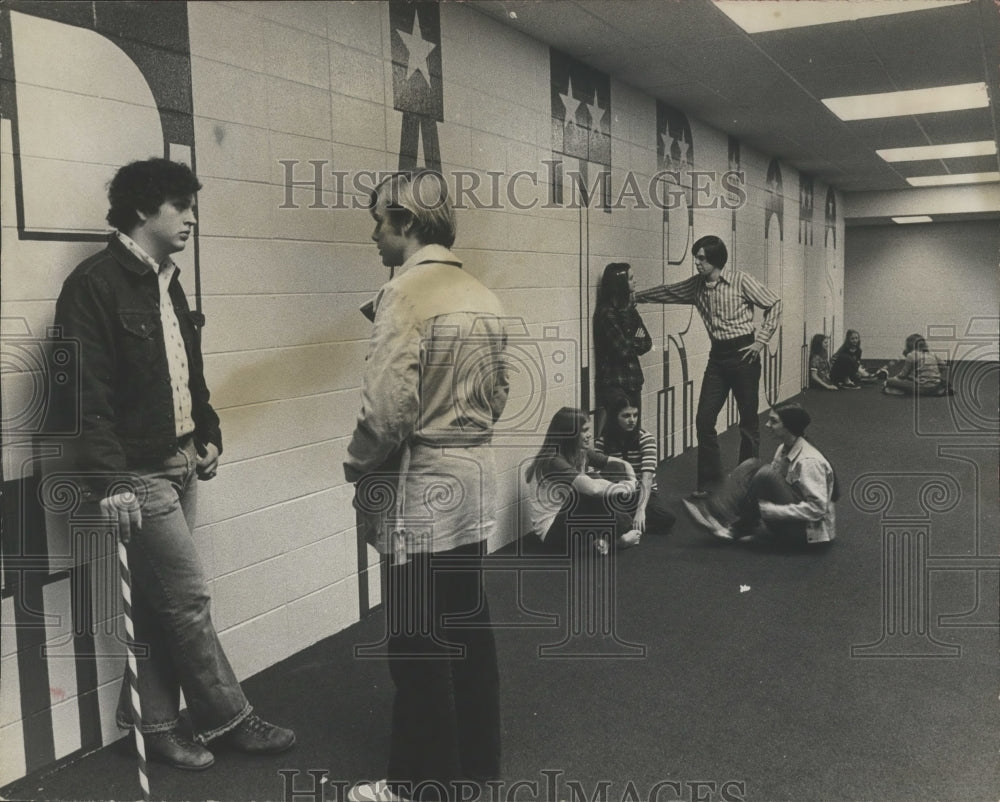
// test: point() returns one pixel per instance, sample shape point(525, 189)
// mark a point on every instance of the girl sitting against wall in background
point(622, 438)
point(920, 373)
point(846, 369)
point(563, 490)
point(620, 338)
point(819, 363)
point(793, 495)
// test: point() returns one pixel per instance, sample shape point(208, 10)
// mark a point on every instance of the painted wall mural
point(833, 283)
point(580, 100)
point(675, 160)
point(735, 165)
point(806, 192)
point(773, 278)
point(581, 131)
point(417, 82)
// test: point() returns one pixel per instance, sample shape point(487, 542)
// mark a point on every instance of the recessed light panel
point(775, 15)
point(914, 219)
point(961, 178)
point(912, 101)
point(955, 150)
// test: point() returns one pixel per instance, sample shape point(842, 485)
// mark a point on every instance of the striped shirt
point(726, 306)
point(177, 362)
point(642, 459)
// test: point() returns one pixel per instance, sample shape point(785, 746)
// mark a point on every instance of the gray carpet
point(718, 672)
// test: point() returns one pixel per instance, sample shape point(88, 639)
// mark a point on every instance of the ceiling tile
point(861, 78)
point(959, 126)
point(819, 47)
point(971, 164)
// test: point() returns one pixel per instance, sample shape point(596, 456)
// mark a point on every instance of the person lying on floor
point(622, 438)
point(846, 369)
point(819, 363)
point(563, 496)
point(920, 374)
point(793, 496)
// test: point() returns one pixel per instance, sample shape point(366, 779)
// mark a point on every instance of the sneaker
point(373, 792)
point(630, 538)
point(706, 520)
point(849, 385)
point(255, 736)
point(175, 750)
point(887, 390)
point(744, 530)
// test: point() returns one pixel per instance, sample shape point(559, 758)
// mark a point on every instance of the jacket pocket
point(140, 324)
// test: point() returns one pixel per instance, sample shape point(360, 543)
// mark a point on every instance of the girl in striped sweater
point(623, 438)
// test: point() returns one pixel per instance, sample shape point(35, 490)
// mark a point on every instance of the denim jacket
point(435, 384)
point(110, 305)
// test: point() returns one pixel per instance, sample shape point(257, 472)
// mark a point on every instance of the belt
point(735, 344)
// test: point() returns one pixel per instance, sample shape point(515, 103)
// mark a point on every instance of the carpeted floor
point(701, 670)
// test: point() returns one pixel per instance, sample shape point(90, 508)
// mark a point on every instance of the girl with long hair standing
point(620, 338)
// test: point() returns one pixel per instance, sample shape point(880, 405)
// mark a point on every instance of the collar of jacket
point(436, 254)
point(129, 260)
point(429, 253)
point(796, 449)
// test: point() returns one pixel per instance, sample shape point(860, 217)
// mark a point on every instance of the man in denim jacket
point(147, 435)
point(435, 384)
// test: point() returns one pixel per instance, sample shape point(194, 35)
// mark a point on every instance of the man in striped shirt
point(725, 301)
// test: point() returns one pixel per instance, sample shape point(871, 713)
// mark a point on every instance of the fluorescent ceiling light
point(915, 219)
point(986, 147)
point(775, 15)
point(962, 178)
point(911, 101)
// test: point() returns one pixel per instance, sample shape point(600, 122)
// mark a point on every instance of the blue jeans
point(727, 370)
point(171, 611)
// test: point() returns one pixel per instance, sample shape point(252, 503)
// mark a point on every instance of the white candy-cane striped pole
point(132, 673)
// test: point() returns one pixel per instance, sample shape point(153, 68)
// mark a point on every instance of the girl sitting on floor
point(846, 369)
point(563, 492)
point(920, 374)
point(793, 496)
point(819, 363)
point(622, 438)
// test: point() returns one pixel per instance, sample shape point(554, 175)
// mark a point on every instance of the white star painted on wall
point(570, 103)
point(596, 113)
point(668, 148)
point(685, 148)
point(418, 49)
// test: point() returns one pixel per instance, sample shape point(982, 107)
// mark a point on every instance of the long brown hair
point(561, 439)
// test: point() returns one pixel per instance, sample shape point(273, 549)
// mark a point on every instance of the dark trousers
point(842, 369)
point(587, 516)
point(727, 370)
point(446, 712)
point(751, 482)
point(659, 518)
